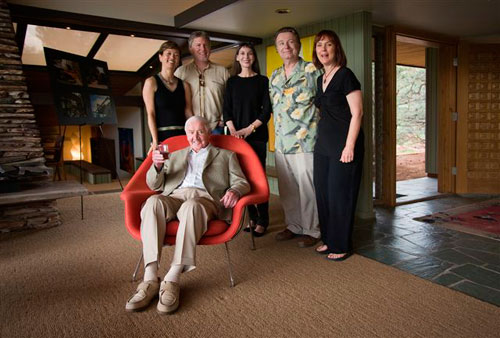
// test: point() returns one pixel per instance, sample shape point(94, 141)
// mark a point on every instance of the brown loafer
point(284, 235)
point(307, 241)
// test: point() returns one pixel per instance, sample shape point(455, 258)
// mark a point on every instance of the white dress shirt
point(196, 162)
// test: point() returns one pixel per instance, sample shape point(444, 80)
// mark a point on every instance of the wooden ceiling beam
point(97, 44)
point(20, 36)
point(38, 82)
point(59, 19)
point(200, 10)
point(149, 67)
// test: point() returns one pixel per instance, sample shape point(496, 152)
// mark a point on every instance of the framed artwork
point(67, 72)
point(81, 88)
point(102, 108)
point(97, 75)
point(72, 106)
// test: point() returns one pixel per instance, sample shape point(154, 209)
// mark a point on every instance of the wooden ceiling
point(409, 54)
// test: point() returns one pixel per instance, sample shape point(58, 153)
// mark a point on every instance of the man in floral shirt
point(292, 89)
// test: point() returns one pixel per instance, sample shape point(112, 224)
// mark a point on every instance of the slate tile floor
point(460, 261)
point(417, 188)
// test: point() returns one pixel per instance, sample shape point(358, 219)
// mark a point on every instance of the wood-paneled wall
point(478, 141)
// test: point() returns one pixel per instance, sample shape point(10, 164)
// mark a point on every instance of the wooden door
point(446, 104)
point(478, 125)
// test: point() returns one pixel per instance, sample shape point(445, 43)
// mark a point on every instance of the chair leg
point(252, 225)
point(137, 268)
point(231, 280)
point(58, 171)
point(246, 215)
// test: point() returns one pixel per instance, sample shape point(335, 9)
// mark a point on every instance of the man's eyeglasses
point(202, 80)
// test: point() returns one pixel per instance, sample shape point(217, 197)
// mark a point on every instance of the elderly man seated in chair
point(197, 184)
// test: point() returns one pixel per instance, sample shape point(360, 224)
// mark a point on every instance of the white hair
point(200, 119)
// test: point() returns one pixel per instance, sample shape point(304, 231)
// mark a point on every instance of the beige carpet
point(73, 281)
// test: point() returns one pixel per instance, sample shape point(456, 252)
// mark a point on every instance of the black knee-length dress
point(336, 183)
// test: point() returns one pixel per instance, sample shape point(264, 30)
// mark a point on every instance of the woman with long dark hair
point(339, 149)
point(246, 110)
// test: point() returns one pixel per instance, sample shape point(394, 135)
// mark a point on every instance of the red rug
point(481, 218)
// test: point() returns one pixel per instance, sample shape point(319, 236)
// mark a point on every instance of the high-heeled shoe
point(251, 225)
point(259, 234)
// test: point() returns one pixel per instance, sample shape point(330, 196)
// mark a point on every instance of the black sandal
point(323, 252)
point(339, 259)
point(251, 225)
point(258, 234)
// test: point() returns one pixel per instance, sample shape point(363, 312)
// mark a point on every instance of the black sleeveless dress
point(169, 108)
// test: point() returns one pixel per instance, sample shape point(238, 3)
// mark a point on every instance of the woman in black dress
point(246, 111)
point(339, 149)
point(167, 98)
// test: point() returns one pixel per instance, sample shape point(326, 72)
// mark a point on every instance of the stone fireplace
point(27, 196)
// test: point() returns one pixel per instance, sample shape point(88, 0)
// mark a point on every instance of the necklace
point(250, 74)
point(325, 77)
point(165, 81)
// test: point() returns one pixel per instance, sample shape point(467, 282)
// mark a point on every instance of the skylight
point(127, 53)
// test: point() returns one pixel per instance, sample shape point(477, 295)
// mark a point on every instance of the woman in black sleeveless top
point(339, 149)
point(167, 98)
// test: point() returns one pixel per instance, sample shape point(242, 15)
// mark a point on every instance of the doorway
point(416, 120)
point(416, 78)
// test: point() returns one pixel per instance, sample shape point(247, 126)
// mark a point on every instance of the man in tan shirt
point(207, 81)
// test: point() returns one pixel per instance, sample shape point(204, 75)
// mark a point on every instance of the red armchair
point(218, 232)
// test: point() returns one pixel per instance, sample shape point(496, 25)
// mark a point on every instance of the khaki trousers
point(297, 196)
point(192, 207)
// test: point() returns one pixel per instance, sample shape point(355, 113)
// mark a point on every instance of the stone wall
point(21, 153)
point(22, 162)
point(34, 215)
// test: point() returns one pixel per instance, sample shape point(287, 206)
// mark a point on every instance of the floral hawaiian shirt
point(295, 116)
